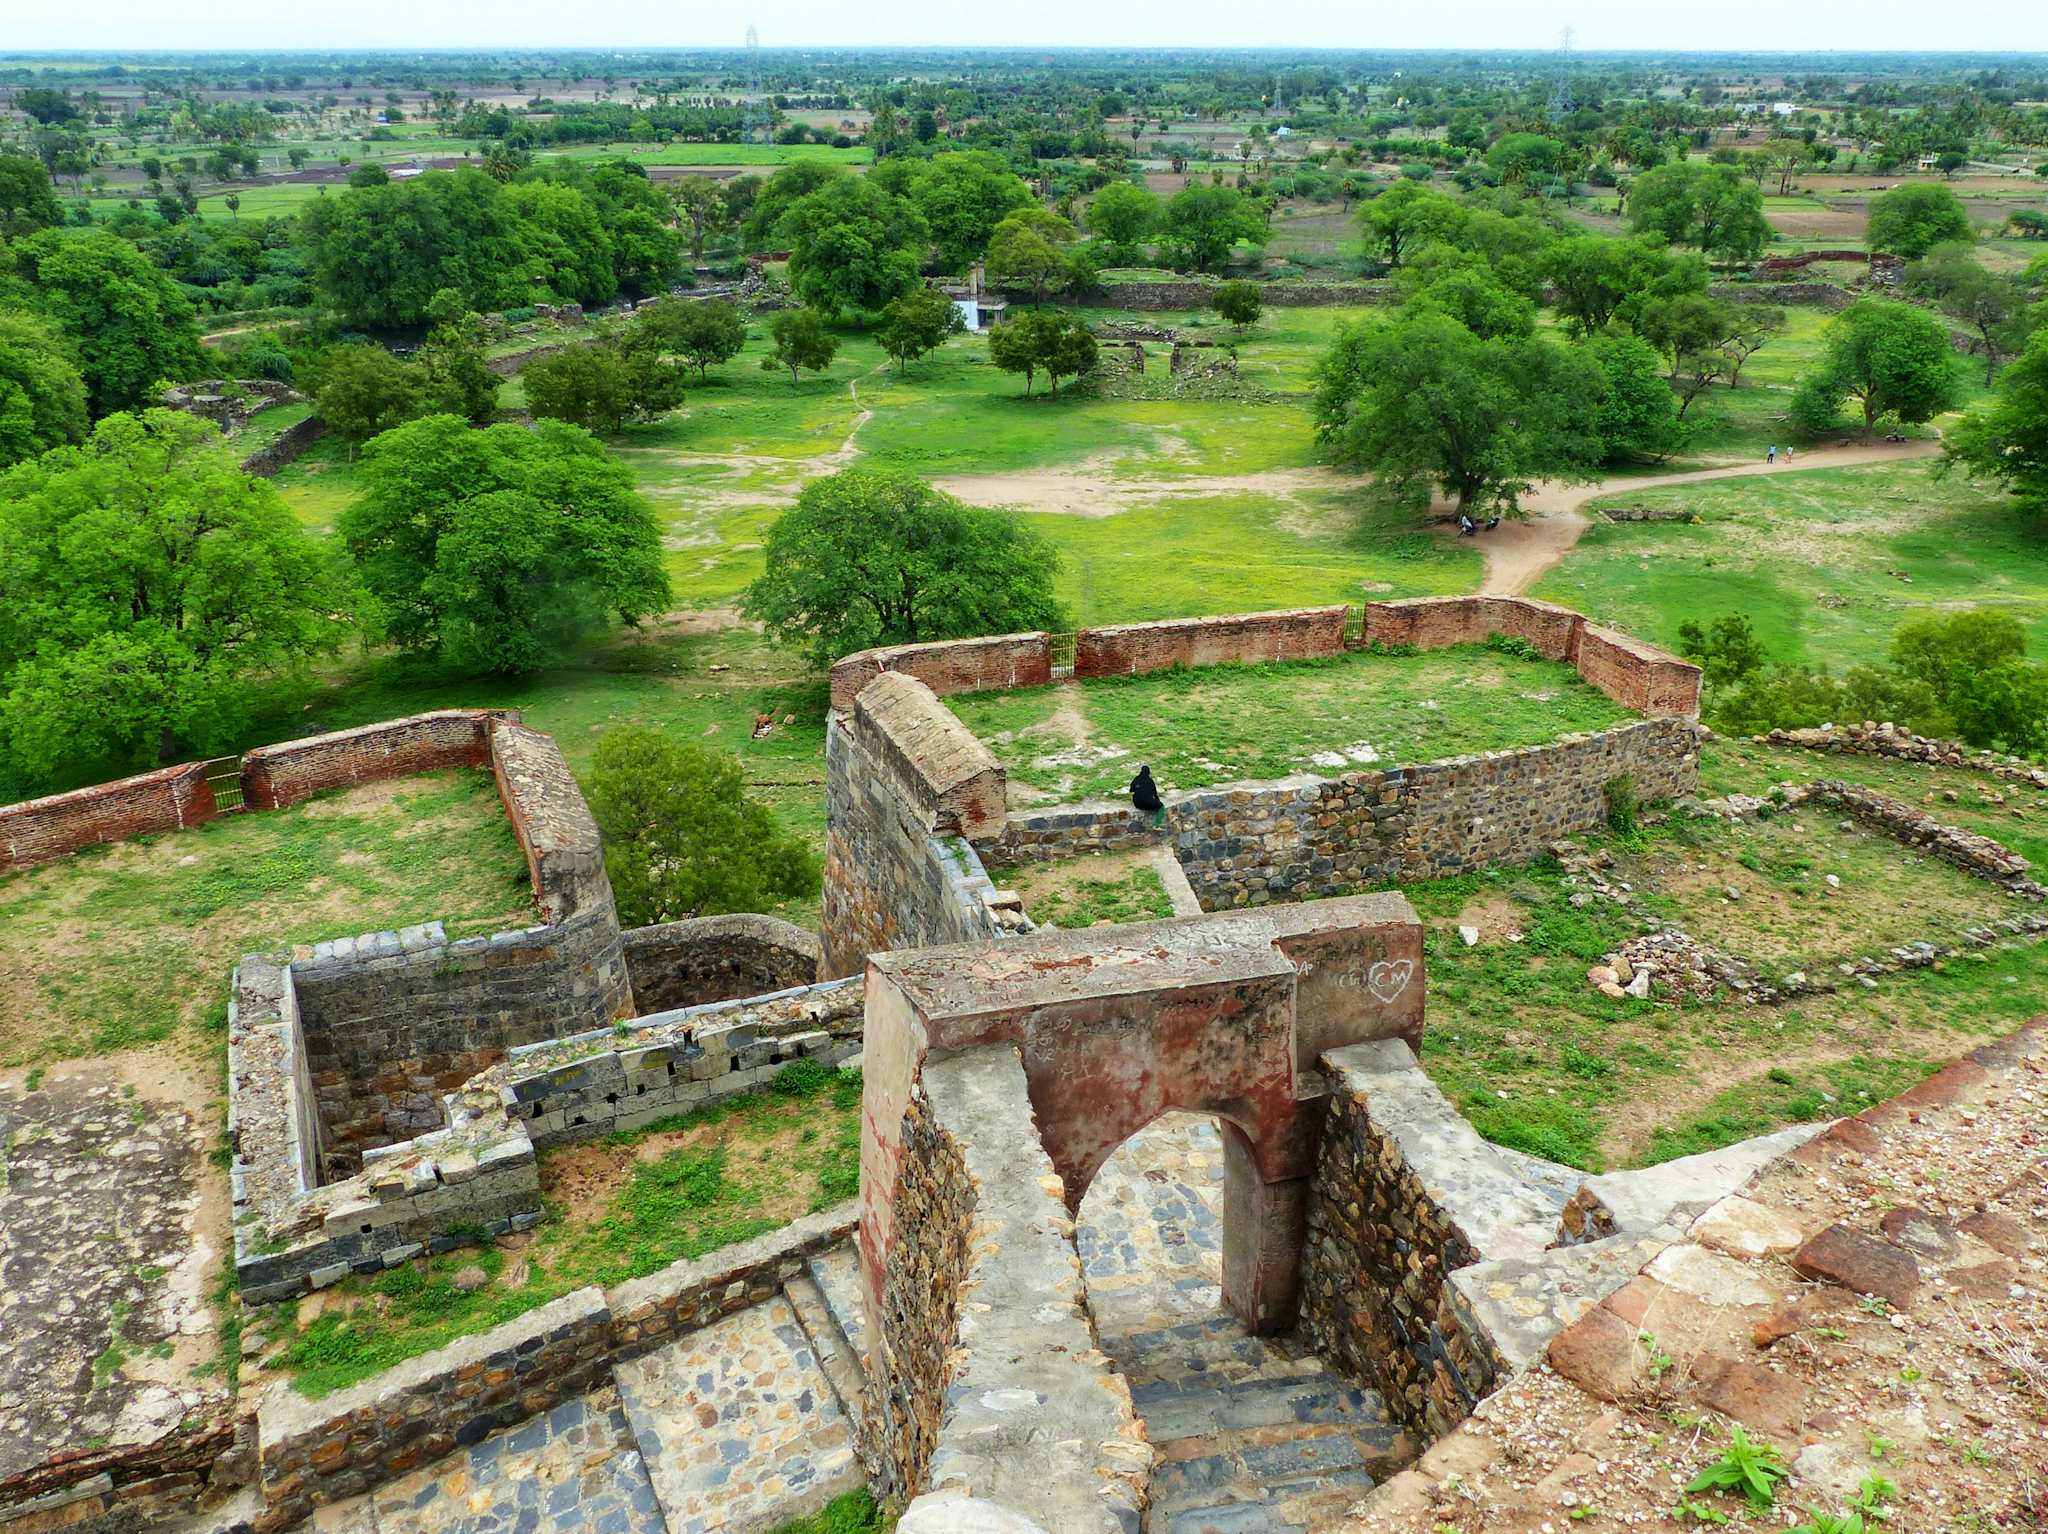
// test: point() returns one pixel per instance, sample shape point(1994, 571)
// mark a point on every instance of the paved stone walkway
point(738, 1425)
point(573, 1470)
point(1256, 1435)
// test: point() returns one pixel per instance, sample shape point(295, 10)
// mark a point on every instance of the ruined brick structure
point(41, 830)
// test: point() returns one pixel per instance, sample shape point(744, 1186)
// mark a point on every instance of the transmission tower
point(1562, 104)
point(754, 119)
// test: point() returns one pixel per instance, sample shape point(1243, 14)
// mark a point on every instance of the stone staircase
point(826, 1297)
point(1255, 1435)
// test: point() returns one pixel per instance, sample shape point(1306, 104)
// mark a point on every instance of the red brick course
point(1000, 662)
point(276, 776)
point(1637, 675)
point(1126, 649)
point(39, 830)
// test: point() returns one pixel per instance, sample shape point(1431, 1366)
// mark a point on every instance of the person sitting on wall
point(1145, 795)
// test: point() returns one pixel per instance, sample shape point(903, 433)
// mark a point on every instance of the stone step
point(1215, 1349)
point(836, 1357)
point(1174, 1412)
point(1284, 1485)
point(739, 1426)
point(837, 1274)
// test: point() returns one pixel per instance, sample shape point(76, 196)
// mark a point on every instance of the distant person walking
point(1772, 455)
point(1145, 796)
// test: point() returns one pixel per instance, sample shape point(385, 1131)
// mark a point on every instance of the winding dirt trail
point(1518, 554)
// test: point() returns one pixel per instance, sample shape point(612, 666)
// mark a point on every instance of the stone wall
point(1007, 1399)
point(1002, 661)
point(1885, 740)
point(132, 1488)
point(229, 402)
point(1907, 823)
point(1406, 1194)
point(715, 958)
point(40, 830)
point(276, 776)
point(655, 1067)
point(1130, 648)
point(1825, 295)
point(286, 447)
point(906, 787)
point(315, 1453)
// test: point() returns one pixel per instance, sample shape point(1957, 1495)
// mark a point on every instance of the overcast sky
point(1764, 25)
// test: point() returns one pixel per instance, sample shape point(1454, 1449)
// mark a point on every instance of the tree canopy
point(146, 583)
point(801, 343)
point(681, 837)
point(853, 246)
point(875, 556)
point(42, 398)
point(501, 547)
point(1202, 224)
point(1911, 220)
point(1711, 207)
point(1041, 341)
point(918, 323)
point(123, 317)
point(1892, 359)
point(2006, 438)
point(28, 201)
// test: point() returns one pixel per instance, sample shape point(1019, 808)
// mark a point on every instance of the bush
point(1619, 793)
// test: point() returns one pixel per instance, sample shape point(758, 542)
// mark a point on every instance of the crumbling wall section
point(907, 786)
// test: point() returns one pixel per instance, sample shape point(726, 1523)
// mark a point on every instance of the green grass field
point(1221, 724)
point(722, 154)
point(1825, 562)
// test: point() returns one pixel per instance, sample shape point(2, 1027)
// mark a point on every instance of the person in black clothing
point(1145, 795)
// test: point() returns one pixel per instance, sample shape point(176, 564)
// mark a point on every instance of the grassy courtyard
point(1540, 1061)
point(1222, 724)
point(132, 943)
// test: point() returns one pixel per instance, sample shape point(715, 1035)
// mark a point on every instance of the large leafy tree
point(124, 318)
point(703, 333)
point(1990, 303)
point(27, 200)
point(502, 547)
point(1407, 216)
point(1711, 207)
point(379, 254)
point(42, 398)
point(917, 323)
point(962, 196)
point(567, 253)
point(1911, 220)
point(604, 385)
point(2006, 438)
point(1029, 250)
point(799, 342)
point(1041, 341)
point(1892, 359)
point(361, 390)
point(681, 837)
point(1597, 280)
point(1203, 223)
point(875, 556)
point(1638, 416)
point(1424, 404)
point(146, 586)
point(853, 246)
point(1123, 216)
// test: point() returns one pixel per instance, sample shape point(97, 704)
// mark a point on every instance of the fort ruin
point(389, 1095)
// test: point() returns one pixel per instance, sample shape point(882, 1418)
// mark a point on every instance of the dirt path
point(1518, 554)
point(1092, 489)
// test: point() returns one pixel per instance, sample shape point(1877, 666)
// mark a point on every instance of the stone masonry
point(716, 958)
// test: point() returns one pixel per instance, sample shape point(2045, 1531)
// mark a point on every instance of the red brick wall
point(1428, 623)
point(1124, 649)
point(1553, 630)
point(1002, 661)
point(280, 775)
point(1637, 675)
point(37, 830)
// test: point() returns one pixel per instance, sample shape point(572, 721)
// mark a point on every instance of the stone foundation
point(1883, 740)
point(716, 958)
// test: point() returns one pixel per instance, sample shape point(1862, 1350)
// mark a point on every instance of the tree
point(701, 205)
point(681, 837)
point(1239, 303)
point(761, 219)
point(853, 246)
point(1524, 158)
point(1123, 215)
point(1911, 220)
point(1202, 224)
point(1041, 341)
point(379, 254)
point(1753, 327)
point(2006, 437)
point(360, 390)
point(1975, 665)
point(455, 380)
point(147, 583)
point(28, 201)
point(1727, 651)
point(918, 322)
point(1685, 325)
point(602, 386)
point(1638, 417)
point(567, 252)
point(703, 333)
point(801, 341)
point(875, 556)
point(1990, 303)
point(42, 398)
point(1891, 358)
point(1598, 280)
point(1405, 217)
point(1028, 250)
point(123, 316)
point(962, 196)
point(1421, 402)
point(1469, 295)
point(1708, 206)
point(500, 548)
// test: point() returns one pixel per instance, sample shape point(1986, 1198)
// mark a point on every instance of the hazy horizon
point(1746, 26)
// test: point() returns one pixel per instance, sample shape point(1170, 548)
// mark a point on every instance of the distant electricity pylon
point(754, 119)
point(1562, 105)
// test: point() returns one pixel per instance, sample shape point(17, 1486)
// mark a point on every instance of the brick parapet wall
point(1127, 649)
point(40, 830)
point(1000, 662)
point(716, 958)
point(1637, 675)
point(280, 775)
point(1405, 1194)
point(132, 1487)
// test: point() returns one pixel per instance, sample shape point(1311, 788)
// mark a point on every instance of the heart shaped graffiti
point(1389, 978)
